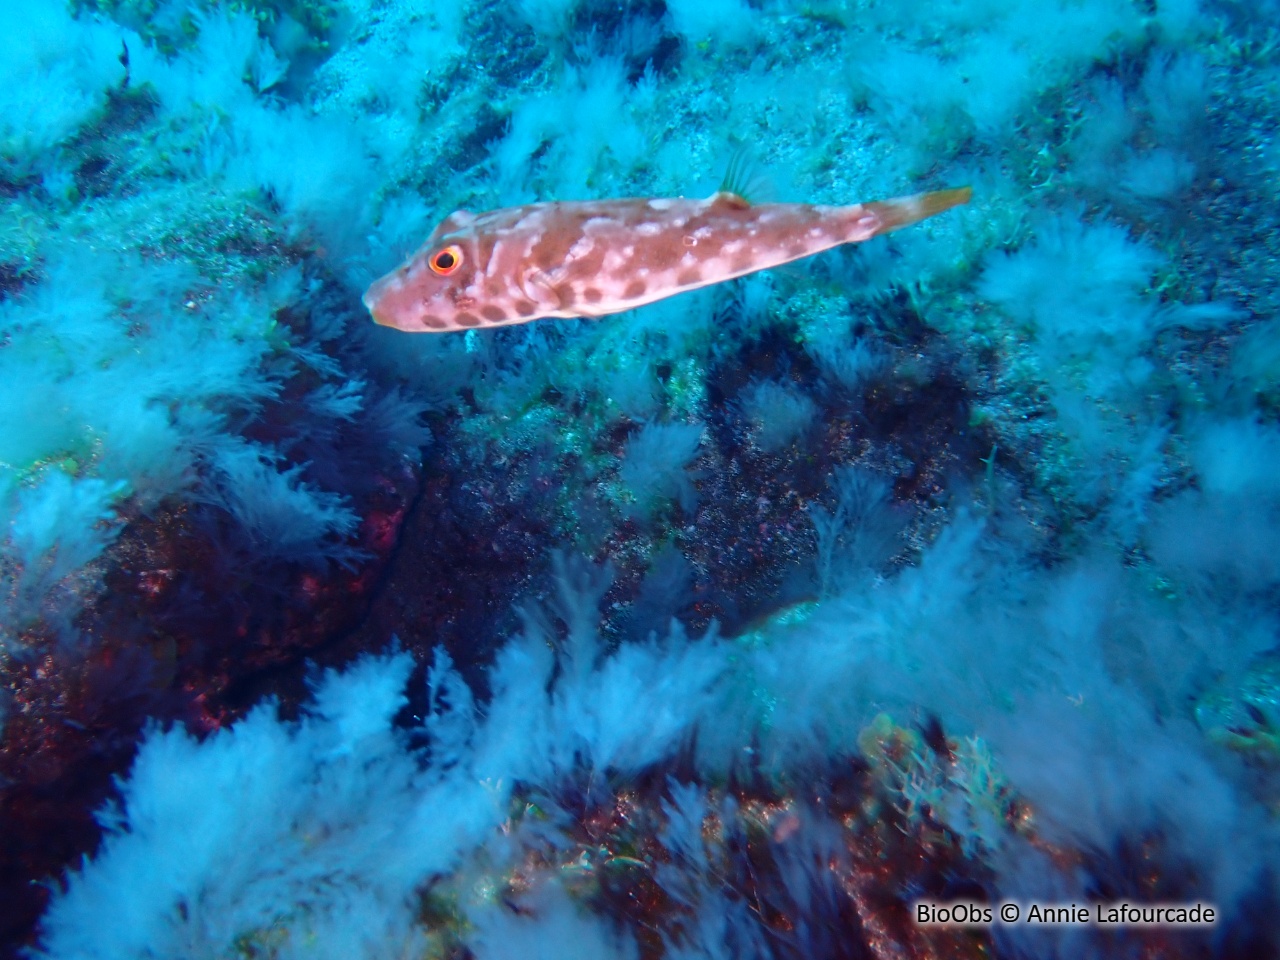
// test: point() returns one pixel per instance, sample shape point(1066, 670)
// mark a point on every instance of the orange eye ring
point(446, 261)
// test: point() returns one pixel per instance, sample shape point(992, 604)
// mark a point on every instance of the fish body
point(592, 258)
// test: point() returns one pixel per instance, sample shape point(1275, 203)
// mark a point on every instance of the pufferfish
point(592, 258)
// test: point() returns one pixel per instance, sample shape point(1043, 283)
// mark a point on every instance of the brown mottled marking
point(493, 313)
point(592, 295)
point(552, 244)
point(663, 256)
point(525, 308)
point(466, 320)
point(435, 323)
point(635, 288)
point(688, 277)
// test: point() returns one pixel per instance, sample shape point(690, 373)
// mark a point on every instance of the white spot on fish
point(866, 226)
point(580, 249)
point(664, 203)
point(528, 221)
point(688, 260)
point(717, 268)
point(649, 229)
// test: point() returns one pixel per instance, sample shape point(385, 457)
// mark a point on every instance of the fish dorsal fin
point(725, 200)
point(743, 178)
point(739, 173)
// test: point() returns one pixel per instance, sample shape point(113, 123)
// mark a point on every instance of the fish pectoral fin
point(540, 288)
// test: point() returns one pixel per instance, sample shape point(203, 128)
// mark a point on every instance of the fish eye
point(445, 261)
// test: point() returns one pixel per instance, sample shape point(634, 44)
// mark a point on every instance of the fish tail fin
point(904, 211)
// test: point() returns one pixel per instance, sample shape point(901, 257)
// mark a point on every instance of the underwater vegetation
point(942, 568)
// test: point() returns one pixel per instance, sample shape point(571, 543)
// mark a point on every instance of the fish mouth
point(371, 302)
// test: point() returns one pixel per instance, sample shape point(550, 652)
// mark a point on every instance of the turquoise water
point(891, 603)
